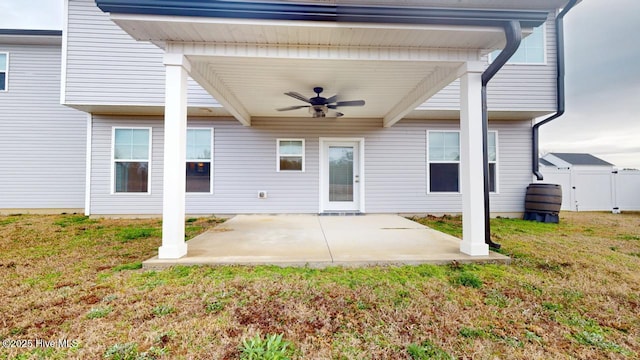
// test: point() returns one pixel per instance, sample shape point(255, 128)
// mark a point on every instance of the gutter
point(560, 95)
point(513, 33)
point(322, 12)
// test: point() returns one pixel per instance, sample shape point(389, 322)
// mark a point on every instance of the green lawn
point(73, 287)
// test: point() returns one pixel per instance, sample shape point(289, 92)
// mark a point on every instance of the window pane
point(436, 140)
point(199, 144)
point(132, 176)
point(535, 56)
point(3, 62)
point(443, 177)
point(531, 50)
point(436, 154)
point(291, 163)
point(492, 177)
point(3, 81)
point(452, 154)
point(291, 147)
point(491, 142)
point(451, 146)
point(131, 144)
point(444, 146)
point(198, 177)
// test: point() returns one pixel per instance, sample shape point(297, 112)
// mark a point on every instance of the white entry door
point(341, 175)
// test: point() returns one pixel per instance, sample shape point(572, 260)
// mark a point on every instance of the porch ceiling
point(248, 64)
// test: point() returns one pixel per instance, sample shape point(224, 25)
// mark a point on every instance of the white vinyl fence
point(596, 190)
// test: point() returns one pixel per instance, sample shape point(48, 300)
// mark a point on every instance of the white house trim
point(87, 176)
point(471, 164)
point(65, 45)
point(322, 187)
point(207, 78)
point(175, 140)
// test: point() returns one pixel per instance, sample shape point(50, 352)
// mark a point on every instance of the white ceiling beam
point(210, 81)
point(324, 52)
point(429, 86)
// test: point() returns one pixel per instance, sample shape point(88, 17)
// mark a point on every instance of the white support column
point(471, 168)
point(175, 137)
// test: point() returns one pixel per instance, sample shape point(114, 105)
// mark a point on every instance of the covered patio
point(321, 241)
point(395, 56)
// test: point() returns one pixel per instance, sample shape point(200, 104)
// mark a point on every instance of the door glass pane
point(340, 173)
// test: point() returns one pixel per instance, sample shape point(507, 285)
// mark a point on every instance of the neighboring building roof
point(30, 37)
point(581, 159)
point(545, 162)
point(22, 32)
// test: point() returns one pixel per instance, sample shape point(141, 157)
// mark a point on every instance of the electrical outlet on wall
point(262, 194)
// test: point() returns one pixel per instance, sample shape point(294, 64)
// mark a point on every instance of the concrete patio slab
point(320, 241)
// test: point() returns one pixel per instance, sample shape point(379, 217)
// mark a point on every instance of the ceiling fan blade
point(350, 103)
point(298, 96)
point(332, 99)
point(293, 108)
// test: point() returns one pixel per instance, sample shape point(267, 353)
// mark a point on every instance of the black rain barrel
point(542, 202)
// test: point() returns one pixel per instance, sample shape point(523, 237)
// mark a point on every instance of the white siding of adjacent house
point(106, 66)
point(244, 163)
point(42, 143)
point(516, 87)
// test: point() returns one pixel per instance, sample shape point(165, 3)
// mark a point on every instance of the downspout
point(513, 33)
point(559, 89)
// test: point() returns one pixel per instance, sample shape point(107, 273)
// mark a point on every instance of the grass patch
point(162, 310)
point(271, 347)
point(69, 277)
point(130, 266)
point(129, 234)
point(73, 220)
point(427, 350)
point(467, 279)
point(99, 312)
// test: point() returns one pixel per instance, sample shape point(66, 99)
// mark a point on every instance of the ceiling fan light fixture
point(318, 111)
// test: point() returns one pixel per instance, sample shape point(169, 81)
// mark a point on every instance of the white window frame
point(278, 155)
point(6, 71)
point(210, 161)
point(428, 162)
point(113, 160)
point(491, 56)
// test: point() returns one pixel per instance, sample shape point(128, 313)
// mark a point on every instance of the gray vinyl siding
point(107, 66)
point(244, 163)
point(516, 87)
point(42, 143)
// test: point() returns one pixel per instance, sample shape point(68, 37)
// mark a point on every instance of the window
point(4, 69)
point(290, 155)
point(444, 161)
point(199, 156)
point(531, 50)
point(131, 153)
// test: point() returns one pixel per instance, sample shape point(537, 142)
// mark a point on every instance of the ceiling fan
point(319, 106)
